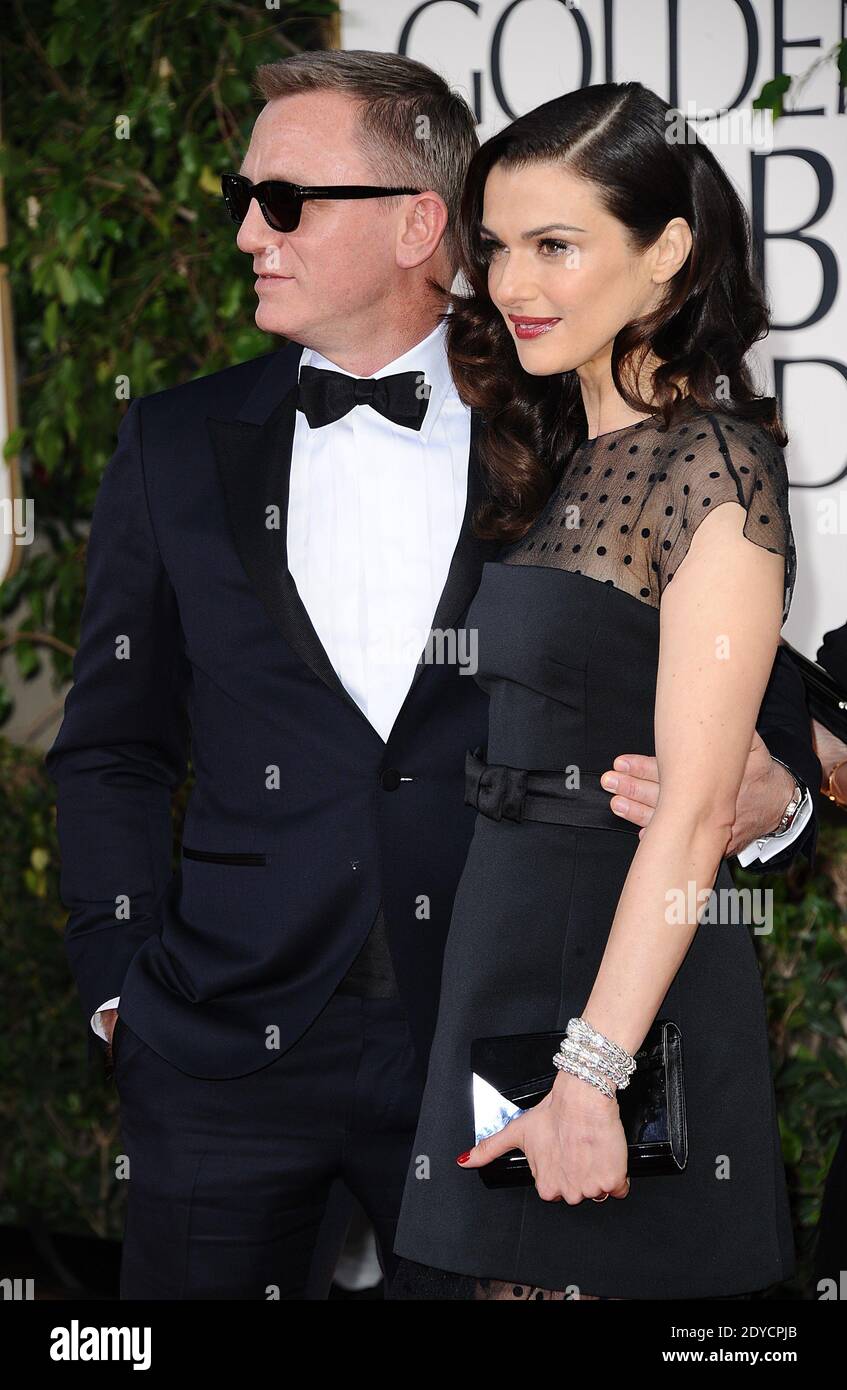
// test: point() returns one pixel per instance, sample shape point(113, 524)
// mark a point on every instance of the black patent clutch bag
point(511, 1074)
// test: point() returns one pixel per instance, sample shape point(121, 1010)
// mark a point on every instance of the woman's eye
point(549, 246)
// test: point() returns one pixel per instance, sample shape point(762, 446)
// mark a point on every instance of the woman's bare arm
point(719, 628)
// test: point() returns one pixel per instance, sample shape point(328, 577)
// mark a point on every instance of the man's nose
point(254, 235)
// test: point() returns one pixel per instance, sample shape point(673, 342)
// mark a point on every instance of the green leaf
point(87, 286)
point(65, 283)
point(48, 442)
point(37, 615)
point(772, 93)
point(160, 116)
point(61, 44)
point(110, 227)
point(231, 301)
point(210, 182)
point(14, 442)
point(68, 208)
point(792, 1147)
point(189, 148)
point(27, 659)
point(52, 322)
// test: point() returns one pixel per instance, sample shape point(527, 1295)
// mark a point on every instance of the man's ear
point(421, 229)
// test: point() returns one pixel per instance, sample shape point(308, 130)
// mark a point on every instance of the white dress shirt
point(374, 515)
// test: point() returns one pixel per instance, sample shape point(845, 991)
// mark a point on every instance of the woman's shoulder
point(714, 457)
point(709, 429)
point(710, 443)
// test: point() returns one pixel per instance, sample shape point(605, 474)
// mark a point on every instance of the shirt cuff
point(768, 845)
point(96, 1020)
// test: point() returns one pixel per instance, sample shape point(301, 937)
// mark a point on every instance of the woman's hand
point(573, 1139)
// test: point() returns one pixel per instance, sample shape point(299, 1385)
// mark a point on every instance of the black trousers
point(229, 1179)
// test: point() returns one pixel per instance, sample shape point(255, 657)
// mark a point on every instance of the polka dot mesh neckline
point(629, 501)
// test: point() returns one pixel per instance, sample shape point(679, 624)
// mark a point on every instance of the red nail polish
point(463, 1158)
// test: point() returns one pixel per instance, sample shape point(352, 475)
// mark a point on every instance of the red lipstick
point(527, 327)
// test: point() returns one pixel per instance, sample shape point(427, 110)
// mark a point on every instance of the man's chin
point(272, 321)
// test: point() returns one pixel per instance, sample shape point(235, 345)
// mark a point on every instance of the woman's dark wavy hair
point(617, 136)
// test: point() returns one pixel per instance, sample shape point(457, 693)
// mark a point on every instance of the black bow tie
point(324, 396)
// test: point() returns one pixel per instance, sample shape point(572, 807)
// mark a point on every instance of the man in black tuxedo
point(279, 557)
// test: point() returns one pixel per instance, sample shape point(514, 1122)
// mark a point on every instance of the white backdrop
point(507, 56)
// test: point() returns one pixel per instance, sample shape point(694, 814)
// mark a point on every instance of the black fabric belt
point(515, 793)
point(501, 793)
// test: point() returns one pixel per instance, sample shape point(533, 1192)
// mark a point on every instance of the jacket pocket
point(209, 857)
point(120, 1043)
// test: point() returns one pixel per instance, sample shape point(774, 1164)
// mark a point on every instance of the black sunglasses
point(282, 203)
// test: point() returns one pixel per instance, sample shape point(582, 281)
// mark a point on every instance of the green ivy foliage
point(118, 122)
point(59, 1131)
point(804, 970)
point(773, 93)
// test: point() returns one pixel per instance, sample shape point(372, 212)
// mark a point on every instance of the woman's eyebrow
point(537, 231)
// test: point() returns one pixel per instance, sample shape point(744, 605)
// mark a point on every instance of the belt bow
point(493, 788)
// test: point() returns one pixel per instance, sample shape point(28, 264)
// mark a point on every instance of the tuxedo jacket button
point(390, 779)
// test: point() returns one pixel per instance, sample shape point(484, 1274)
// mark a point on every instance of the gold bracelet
point(829, 790)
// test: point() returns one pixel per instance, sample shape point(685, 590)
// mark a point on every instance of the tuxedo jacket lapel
point(468, 558)
point(253, 456)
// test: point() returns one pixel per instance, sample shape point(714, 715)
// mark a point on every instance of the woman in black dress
point(613, 301)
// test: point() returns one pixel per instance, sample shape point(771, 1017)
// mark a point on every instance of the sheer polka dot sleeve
point(723, 462)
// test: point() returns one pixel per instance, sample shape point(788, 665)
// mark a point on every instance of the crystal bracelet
point(564, 1063)
point(581, 1030)
point(613, 1071)
point(594, 1058)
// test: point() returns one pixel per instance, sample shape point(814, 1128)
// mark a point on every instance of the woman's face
point(555, 254)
